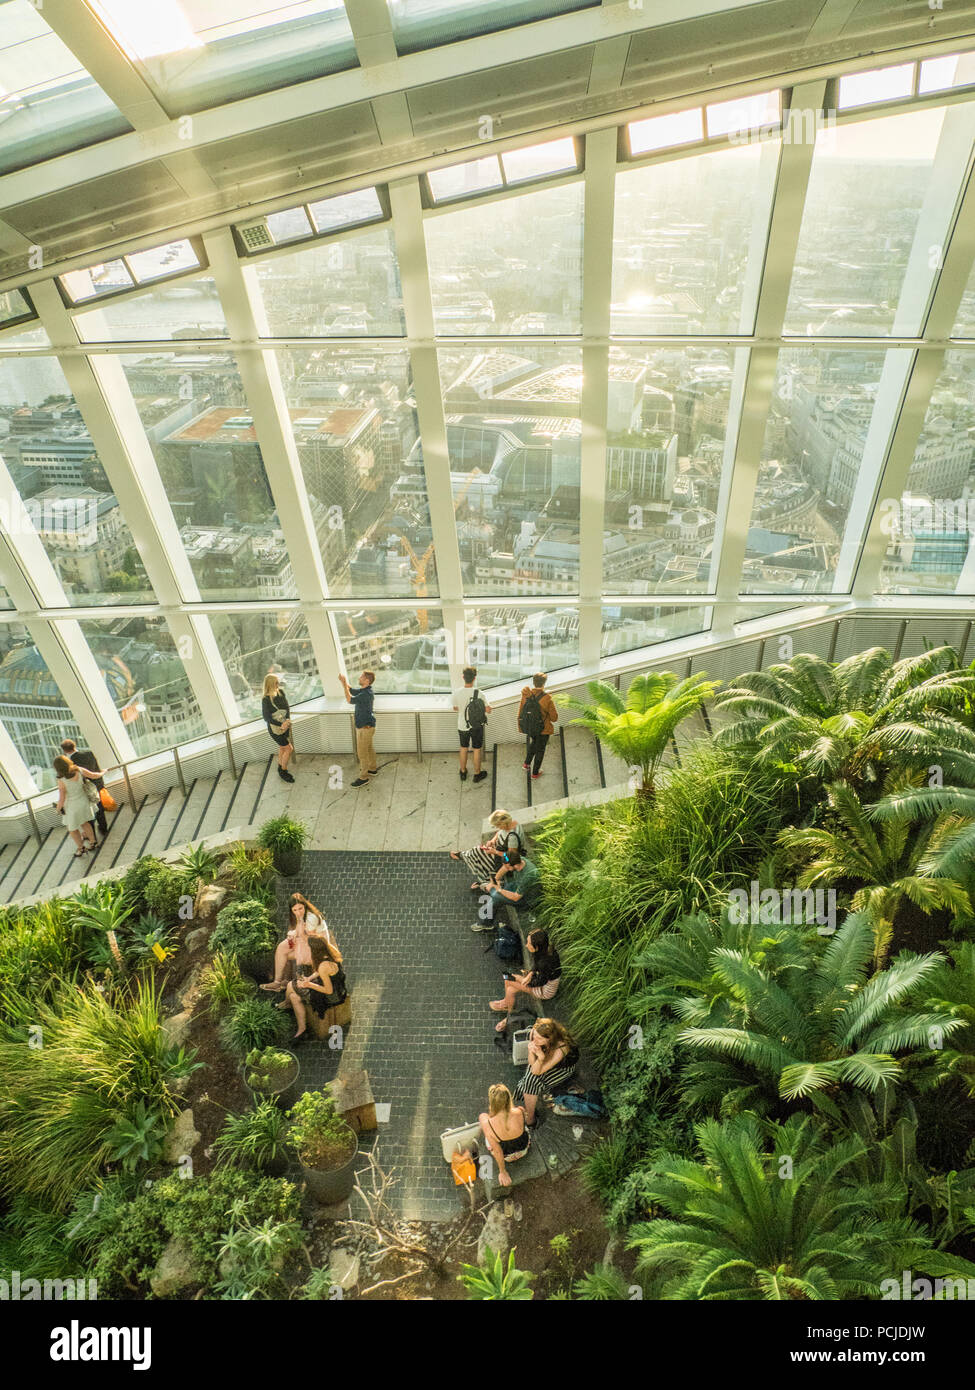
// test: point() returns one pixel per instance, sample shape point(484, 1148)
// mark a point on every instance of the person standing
point(536, 719)
point(75, 804)
point(84, 757)
point(365, 725)
point(277, 717)
point(472, 715)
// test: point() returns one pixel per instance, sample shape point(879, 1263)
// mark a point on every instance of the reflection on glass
point(29, 336)
point(509, 267)
point(686, 235)
point(252, 644)
point(954, 70)
point(812, 457)
point(171, 259)
point(189, 309)
point(290, 225)
point(14, 304)
point(625, 629)
point(407, 648)
point(108, 277)
point(868, 183)
point(744, 113)
point(426, 23)
point(337, 289)
point(330, 214)
point(510, 644)
point(513, 437)
point(929, 528)
point(355, 428)
point(146, 680)
point(462, 180)
point(32, 708)
point(536, 161)
point(66, 496)
point(665, 445)
point(658, 132)
point(882, 84)
point(202, 434)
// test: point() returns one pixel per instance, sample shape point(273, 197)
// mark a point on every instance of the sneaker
point(482, 926)
point(463, 776)
point(285, 776)
point(360, 781)
point(527, 767)
point(535, 776)
point(372, 771)
point(479, 776)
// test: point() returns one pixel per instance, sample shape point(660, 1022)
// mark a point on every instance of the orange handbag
point(108, 800)
point(463, 1167)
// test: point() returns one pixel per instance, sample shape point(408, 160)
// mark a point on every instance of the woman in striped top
point(484, 860)
point(552, 1059)
point(541, 982)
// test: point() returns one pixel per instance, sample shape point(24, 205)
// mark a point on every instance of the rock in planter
point(174, 1272)
point(496, 1233)
point(196, 939)
point(182, 1138)
point(190, 992)
point(208, 903)
point(176, 1027)
point(344, 1267)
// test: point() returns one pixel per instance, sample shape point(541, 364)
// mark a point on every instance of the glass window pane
point(290, 225)
point(427, 23)
point(510, 644)
point(146, 680)
point(170, 259)
point(338, 289)
point(626, 629)
point(13, 305)
point(538, 160)
point(252, 644)
point(514, 266)
point(462, 180)
point(882, 84)
point(29, 336)
point(48, 103)
point(189, 309)
point(32, 708)
point(197, 54)
point(868, 184)
point(658, 132)
point(355, 428)
point(812, 458)
point(67, 498)
point(331, 214)
point(107, 278)
point(202, 434)
point(745, 113)
point(406, 647)
point(513, 436)
point(929, 528)
point(689, 242)
point(954, 70)
point(665, 449)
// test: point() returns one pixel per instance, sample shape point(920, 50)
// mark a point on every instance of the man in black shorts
point(472, 715)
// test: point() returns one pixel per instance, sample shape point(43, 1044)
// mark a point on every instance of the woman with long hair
point(305, 921)
point(505, 1129)
point(552, 1058)
point(484, 860)
point(75, 803)
point(319, 986)
point(541, 982)
point(277, 717)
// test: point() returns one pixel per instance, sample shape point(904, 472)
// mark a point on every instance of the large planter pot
point(259, 966)
point(287, 862)
point(333, 1185)
point(285, 1092)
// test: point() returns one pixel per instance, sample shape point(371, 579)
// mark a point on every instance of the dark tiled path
point(421, 1027)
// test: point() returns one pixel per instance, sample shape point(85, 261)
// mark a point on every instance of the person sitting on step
point(305, 922)
point(320, 986)
point(484, 859)
point(552, 1059)
point(541, 982)
point(505, 1129)
point(515, 879)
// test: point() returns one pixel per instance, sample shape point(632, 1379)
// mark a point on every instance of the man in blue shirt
point(365, 725)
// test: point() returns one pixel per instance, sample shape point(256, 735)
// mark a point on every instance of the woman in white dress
point(75, 803)
point(305, 920)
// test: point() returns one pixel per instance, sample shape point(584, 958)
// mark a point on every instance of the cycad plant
point(496, 1280)
point(893, 861)
point(776, 1213)
point(802, 1032)
point(639, 728)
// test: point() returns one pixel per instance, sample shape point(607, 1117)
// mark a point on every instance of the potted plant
point(245, 928)
point(255, 1140)
point(285, 838)
point(326, 1146)
point(272, 1074)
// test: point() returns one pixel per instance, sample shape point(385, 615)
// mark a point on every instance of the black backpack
point(476, 712)
point(507, 943)
point(532, 719)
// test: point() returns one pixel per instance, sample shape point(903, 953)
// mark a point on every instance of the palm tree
point(774, 1213)
point(639, 729)
point(820, 721)
point(796, 1033)
point(895, 862)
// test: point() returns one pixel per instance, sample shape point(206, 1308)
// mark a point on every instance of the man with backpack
point(536, 717)
point(472, 715)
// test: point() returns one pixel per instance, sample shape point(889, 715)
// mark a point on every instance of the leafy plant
point(222, 984)
point(253, 1023)
point(149, 932)
point(267, 1069)
point(135, 882)
point(282, 833)
point(101, 908)
point(252, 1256)
point(496, 1281)
point(322, 1138)
point(319, 1284)
point(250, 868)
point(244, 928)
point(254, 1139)
point(602, 1284)
point(198, 867)
point(165, 888)
point(136, 1138)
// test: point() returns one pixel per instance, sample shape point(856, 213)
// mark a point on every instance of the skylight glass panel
point(626, 628)
point(659, 132)
point(881, 84)
point(197, 54)
point(745, 113)
point(345, 288)
point(170, 259)
point(107, 277)
point(14, 305)
point(954, 70)
point(348, 209)
point(421, 24)
point(290, 225)
point(49, 104)
point(555, 157)
point(464, 180)
point(189, 309)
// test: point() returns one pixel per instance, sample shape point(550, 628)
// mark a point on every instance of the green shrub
point(254, 1139)
point(244, 928)
point(251, 868)
point(282, 833)
point(198, 867)
point(267, 1068)
point(166, 886)
point(222, 984)
point(322, 1138)
point(136, 880)
point(40, 948)
point(496, 1281)
point(253, 1023)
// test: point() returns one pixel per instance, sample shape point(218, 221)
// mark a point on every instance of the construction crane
point(419, 563)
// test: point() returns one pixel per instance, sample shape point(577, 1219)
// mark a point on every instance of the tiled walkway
point(421, 1027)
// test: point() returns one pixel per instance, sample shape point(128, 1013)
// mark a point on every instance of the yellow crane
point(419, 563)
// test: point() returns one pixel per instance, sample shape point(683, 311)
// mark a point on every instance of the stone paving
point(420, 983)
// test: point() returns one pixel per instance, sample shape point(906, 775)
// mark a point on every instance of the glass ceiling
point(489, 423)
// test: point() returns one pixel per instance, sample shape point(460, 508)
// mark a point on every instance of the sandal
point(79, 854)
point(454, 855)
point(499, 1007)
point(276, 986)
point(502, 1026)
